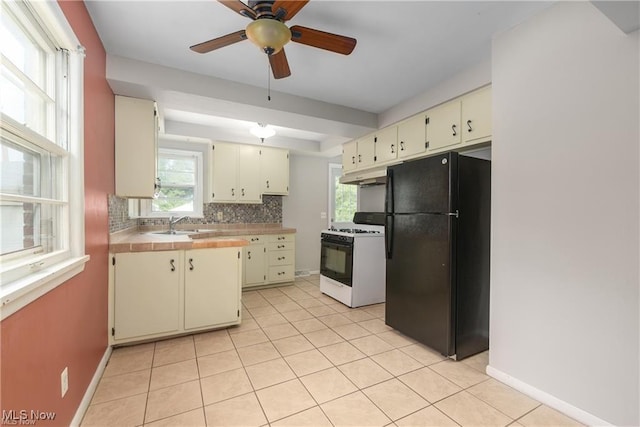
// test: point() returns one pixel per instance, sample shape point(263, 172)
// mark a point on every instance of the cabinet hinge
point(238, 254)
point(113, 332)
point(426, 121)
point(238, 313)
point(287, 155)
point(426, 144)
point(375, 158)
point(287, 188)
point(213, 195)
point(265, 250)
point(113, 260)
point(375, 139)
point(213, 147)
point(260, 152)
point(265, 277)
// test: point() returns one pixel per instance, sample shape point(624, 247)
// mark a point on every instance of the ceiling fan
point(268, 31)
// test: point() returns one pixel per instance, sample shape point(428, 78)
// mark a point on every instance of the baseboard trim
point(88, 395)
point(546, 398)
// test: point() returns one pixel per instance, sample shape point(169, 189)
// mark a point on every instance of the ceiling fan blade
point(219, 42)
point(290, 8)
point(241, 8)
point(322, 40)
point(279, 65)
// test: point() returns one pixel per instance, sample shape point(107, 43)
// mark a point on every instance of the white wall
point(564, 267)
point(308, 188)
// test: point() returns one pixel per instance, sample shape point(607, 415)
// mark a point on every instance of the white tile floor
point(302, 359)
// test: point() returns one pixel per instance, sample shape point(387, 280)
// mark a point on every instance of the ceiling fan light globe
point(262, 131)
point(270, 35)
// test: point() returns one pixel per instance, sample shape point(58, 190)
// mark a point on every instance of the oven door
point(336, 261)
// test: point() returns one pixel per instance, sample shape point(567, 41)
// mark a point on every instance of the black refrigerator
point(437, 230)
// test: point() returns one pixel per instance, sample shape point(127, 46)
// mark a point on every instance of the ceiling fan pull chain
point(268, 81)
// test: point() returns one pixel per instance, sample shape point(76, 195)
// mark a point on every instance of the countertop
point(206, 236)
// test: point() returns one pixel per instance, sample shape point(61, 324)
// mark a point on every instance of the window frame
point(333, 168)
point(25, 280)
point(143, 207)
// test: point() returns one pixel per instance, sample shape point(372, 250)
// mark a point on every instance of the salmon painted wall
point(68, 326)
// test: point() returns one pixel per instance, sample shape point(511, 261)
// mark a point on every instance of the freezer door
point(423, 185)
point(420, 279)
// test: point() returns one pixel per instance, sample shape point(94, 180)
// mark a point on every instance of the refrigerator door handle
point(388, 235)
point(389, 193)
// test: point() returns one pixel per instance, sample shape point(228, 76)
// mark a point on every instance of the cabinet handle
point(401, 145)
point(267, 183)
point(392, 149)
point(280, 258)
point(359, 158)
point(280, 238)
point(453, 128)
point(469, 124)
point(353, 160)
point(248, 254)
point(280, 246)
point(242, 192)
point(173, 267)
point(233, 192)
point(191, 264)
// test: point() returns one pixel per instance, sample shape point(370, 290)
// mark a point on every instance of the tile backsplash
point(269, 211)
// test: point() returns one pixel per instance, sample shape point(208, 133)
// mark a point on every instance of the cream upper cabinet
point(136, 147)
point(211, 287)
point(349, 156)
point(412, 136)
point(248, 174)
point(234, 174)
point(443, 126)
point(476, 115)
point(366, 152)
point(274, 171)
point(146, 293)
point(386, 142)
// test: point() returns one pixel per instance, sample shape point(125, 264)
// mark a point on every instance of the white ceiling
point(404, 48)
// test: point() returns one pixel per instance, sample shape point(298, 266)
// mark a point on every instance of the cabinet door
point(387, 144)
point(254, 265)
point(349, 156)
point(366, 152)
point(443, 127)
point(412, 136)
point(224, 172)
point(136, 147)
point(211, 287)
point(476, 115)
point(146, 293)
point(274, 167)
point(248, 189)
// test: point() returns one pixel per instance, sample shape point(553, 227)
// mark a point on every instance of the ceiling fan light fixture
point(262, 131)
point(268, 34)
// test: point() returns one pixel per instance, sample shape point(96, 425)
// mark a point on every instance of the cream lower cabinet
point(255, 261)
point(281, 254)
point(211, 278)
point(146, 294)
point(164, 293)
point(269, 259)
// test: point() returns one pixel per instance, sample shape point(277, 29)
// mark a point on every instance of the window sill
point(17, 294)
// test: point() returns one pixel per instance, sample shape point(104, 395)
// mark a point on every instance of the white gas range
point(352, 265)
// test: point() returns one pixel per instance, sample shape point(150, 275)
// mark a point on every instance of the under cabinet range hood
point(377, 176)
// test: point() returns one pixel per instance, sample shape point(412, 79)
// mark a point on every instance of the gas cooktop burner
point(353, 230)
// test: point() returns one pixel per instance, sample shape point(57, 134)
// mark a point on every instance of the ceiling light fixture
point(268, 34)
point(262, 131)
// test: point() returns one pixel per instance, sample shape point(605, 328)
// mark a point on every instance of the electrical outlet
point(64, 381)
point(323, 215)
point(219, 216)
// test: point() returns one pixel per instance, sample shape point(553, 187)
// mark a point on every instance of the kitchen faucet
point(173, 221)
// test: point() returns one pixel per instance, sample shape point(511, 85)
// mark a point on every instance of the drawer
point(256, 239)
point(281, 246)
point(274, 238)
point(281, 273)
point(281, 258)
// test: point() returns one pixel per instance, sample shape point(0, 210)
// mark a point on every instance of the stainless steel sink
point(175, 232)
